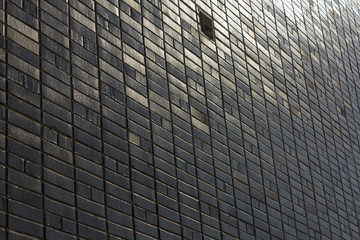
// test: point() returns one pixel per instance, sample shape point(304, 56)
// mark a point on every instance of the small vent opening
point(342, 111)
point(207, 25)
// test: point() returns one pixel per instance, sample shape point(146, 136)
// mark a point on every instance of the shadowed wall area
point(179, 119)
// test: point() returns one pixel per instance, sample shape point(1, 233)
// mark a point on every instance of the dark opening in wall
point(342, 111)
point(206, 24)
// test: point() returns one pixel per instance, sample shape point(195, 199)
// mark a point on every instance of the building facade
point(179, 119)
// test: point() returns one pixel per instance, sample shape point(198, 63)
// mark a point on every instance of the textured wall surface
point(120, 119)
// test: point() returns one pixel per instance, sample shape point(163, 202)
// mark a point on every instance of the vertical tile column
point(88, 158)
point(200, 118)
point(227, 164)
point(114, 133)
point(3, 156)
point(135, 32)
point(24, 173)
point(183, 128)
point(351, 107)
point(57, 134)
point(165, 25)
point(156, 26)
